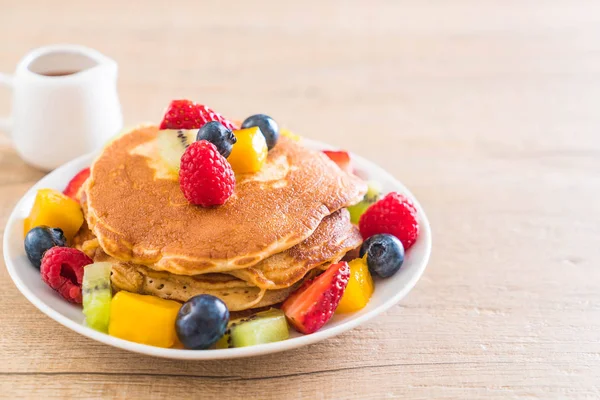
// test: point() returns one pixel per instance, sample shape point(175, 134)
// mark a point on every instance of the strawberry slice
point(207, 115)
point(75, 184)
point(341, 158)
point(185, 114)
point(313, 304)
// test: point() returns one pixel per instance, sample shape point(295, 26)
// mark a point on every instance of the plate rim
point(219, 354)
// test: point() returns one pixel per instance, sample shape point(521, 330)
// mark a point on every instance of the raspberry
point(205, 177)
point(394, 214)
point(62, 270)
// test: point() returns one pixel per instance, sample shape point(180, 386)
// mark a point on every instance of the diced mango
point(178, 344)
point(249, 153)
point(143, 319)
point(290, 135)
point(54, 209)
point(360, 287)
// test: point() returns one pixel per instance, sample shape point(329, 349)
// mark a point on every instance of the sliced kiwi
point(373, 194)
point(97, 295)
point(171, 145)
point(225, 341)
point(263, 327)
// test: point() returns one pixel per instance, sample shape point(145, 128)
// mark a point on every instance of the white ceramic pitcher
point(64, 104)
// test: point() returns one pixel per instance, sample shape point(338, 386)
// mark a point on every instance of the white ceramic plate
point(387, 292)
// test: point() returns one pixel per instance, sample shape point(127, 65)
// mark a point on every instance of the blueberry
point(39, 240)
point(201, 321)
point(385, 254)
point(267, 125)
point(217, 134)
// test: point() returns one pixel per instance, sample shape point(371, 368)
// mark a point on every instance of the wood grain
point(487, 110)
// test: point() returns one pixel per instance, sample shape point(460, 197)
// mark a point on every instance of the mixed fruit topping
point(250, 152)
point(39, 240)
point(54, 209)
point(62, 270)
point(384, 254)
point(172, 144)
point(263, 327)
point(267, 126)
point(394, 214)
point(72, 189)
point(341, 158)
point(201, 322)
point(207, 151)
point(373, 195)
point(313, 304)
point(359, 289)
point(205, 177)
point(97, 295)
point(216, 133)
point(185, 114)
point(143, 319)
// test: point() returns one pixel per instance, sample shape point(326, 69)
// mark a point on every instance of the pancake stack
point(282, 225)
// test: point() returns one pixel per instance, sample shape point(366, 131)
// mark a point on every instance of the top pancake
point(138, 213)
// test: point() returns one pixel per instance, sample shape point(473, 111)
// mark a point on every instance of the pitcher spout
point(68, 59)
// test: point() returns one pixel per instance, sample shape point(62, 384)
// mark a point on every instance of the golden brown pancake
point(237, 294)
point(269, 282)
point(85, 240)
point(330, 242)
point(139, 215)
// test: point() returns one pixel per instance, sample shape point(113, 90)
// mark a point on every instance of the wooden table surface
point(488, 110)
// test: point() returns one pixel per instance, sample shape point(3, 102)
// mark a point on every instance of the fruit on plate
point(384, 254)
point(201, 321)
point(52, 208)
point(267, 125)
point(72, 189)
point(394, 214)
point(372, 196)
point(171, 144)
point(264, 327)
point(313, 304)
point(39, 240)
point(97, 295)
point(62, 270)
point(250, 152)
point(143, 319)
point(290, 135)
point(341, 158)
point(360, 287)
point(207, 115)
point(185, 114)
point(217, 134)
point(205, 178)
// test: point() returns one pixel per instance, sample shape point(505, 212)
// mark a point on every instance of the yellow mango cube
point(249, 153)
point(360, 287)
point(143, 319)
point(54, 209)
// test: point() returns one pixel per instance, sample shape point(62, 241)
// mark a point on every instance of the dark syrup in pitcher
point(59, 73)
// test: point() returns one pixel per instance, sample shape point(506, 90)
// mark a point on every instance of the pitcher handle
point(5, 80)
